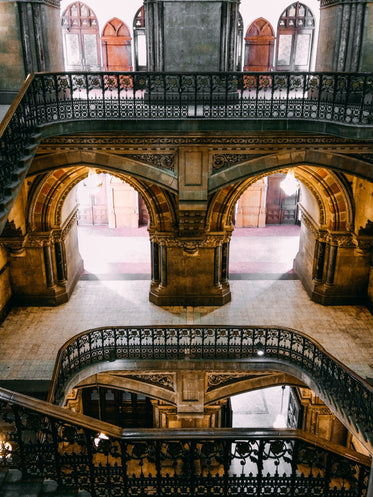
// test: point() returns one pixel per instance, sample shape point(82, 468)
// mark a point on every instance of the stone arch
point(330, 191)
point(50, 191)
point(112, 164)
point(271, 163)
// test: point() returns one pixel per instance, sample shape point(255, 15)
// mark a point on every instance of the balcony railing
point(345, 391)
point(336, 98)
point(48, 442)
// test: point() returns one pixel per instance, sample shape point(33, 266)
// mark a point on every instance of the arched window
point(81, 38)
point(139, 34)
point(295, 38)
point(259, 43)
point(116, 46)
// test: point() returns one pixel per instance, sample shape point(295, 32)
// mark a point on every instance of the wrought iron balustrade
point(46, 441)
point(52, 98)
point(335, 97)
point(339, 386)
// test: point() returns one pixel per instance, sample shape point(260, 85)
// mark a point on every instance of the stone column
point(332, 259)
point(319, 260)
point(190, 36)
point(193, 272)
point(343, 33)
point(60, 261)
point(48, 264)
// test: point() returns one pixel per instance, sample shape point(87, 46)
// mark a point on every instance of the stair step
point(12, 485)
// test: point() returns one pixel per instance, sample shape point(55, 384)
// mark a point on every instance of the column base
point(162, 296)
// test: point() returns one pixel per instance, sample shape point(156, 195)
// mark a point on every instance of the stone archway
point(49, 247)
point(328, 243)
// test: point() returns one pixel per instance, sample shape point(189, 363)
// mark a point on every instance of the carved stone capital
point(191, 246)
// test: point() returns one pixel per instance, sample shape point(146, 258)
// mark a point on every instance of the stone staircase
point(13, 485)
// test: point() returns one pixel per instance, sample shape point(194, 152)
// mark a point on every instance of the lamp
point(289, 185)
point(5, 450)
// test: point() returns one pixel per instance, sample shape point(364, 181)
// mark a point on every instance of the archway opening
point(267, 228)
point(112, 227)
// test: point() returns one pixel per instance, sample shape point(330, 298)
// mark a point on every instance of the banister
point(349, 396)
point(46, 441)
point(13, 107)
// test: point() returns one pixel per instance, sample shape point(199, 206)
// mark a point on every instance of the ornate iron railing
point(46, 98)
point(336, 97)
point(46, 441)
point(340, 387)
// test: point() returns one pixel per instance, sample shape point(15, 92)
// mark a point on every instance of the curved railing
point(44, 441)
point(52, 98)
point(336, 97)
point(342, 388)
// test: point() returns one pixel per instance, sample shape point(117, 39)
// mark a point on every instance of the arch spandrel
point(112, 163)
point(266, 164)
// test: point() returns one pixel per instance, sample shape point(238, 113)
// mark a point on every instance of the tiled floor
point(30, 337)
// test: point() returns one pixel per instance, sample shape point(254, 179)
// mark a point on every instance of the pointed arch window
point(296, 28)
point(139, 35)
point(259, 44)
point(81, 38)
point(116, 46)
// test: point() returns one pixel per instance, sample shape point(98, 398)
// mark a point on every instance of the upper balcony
point(58, 103)
point(319, 102)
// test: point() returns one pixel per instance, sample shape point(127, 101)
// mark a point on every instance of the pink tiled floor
point(268, 250)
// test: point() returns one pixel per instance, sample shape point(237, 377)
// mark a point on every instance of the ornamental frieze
point(220, 380)
point(166, 381)
point(218, 140)
point(223, 161)
point(209, 241)
point(363, 157)
point(162, 161)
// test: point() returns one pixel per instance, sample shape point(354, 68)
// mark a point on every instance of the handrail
point(52, 98)
point(47, 441)
point(12, 109)
point(339, 386)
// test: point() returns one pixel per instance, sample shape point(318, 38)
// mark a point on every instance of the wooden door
point(259, 42)
point(295, 38)
point(116, 46)
point(280, 208)
point(81, 38)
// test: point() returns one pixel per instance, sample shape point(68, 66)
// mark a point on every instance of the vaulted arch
point(330, 191)
point(50, 190)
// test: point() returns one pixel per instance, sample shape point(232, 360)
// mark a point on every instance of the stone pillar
point(334, 267)
point(31, 40)
point(190, 36)
point(192, 272)
point(60, 261)
point(344, 36)
point(48, 265)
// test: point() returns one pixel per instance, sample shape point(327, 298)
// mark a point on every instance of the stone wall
point(11, 59)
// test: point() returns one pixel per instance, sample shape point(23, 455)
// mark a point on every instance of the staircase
point(12, 485)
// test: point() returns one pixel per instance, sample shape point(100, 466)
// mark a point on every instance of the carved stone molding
point(223, 161)
point(49, 144)
point(209, 241)
point(161, 161)
point(70, 223)
point(220, 380)
point(166, 381)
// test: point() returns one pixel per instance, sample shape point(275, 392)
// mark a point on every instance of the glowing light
point(5, 450)
point(98, 439)
point(290, 184)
